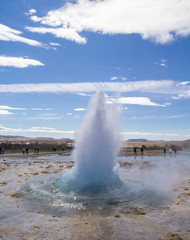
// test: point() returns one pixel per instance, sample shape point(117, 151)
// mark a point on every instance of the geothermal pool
point(151, 203)
point(96, 179)
point(146, 182)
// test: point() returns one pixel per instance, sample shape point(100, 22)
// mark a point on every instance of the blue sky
point(55, 54)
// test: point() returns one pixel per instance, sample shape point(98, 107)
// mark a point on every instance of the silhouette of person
point(23, 150)
point(135, 151)
point(2, 150)
point(26, 150)
point(170, 151)
point(175, 151)
point(142, 150)
point(164, 151)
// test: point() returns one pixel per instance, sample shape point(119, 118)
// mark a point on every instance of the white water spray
point(97, 143)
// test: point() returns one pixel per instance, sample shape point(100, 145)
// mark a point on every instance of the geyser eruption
point(92, 183)
point(97, 143)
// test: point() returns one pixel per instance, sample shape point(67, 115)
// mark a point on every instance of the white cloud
point(160, 117)
point(5, 112)
point(171, 134)
point(30, 12)
point(3, 107)
point(18, 62)
point(69, 114)
point(160, 21)
point(186, 94)
point(48, 114)
point(162, 63)
point(42, 109)
point(10, 34)
point(184, 83)
point(44, 118)
point(69, 34)
point(33, 129)
point(84, 94)
point(117, 78)
point(37, 109)
point(80, 109)
point(55, 44)
point(42, 128)
point(185, 87)
point(151, 86)
point(142, 133)
point(143, 101)
point(114, 78)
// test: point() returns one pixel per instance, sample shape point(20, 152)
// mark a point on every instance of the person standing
point(26, 150)
point(23, 151)
point(37, 150)
point(2, 150)
point(164, 151)
point(142, 150)
point(175, 151)
point(135, 151)
point(170, 152)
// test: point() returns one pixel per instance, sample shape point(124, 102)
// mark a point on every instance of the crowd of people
point(170, 151)
point(25, 150)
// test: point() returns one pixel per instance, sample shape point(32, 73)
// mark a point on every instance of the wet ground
point(153, 204)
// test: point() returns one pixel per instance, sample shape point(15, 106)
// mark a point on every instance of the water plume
point(97, 143)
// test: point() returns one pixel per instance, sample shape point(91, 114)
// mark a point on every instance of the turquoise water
point(146, 183)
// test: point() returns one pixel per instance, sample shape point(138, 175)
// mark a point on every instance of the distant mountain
point(37, 138)
point(137, 140)
point(9, 136)
point(44, 138)
point(66, 139)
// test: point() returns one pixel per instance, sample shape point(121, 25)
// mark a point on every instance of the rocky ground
point(17, 222)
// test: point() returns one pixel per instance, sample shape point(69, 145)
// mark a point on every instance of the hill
point(137, 140)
